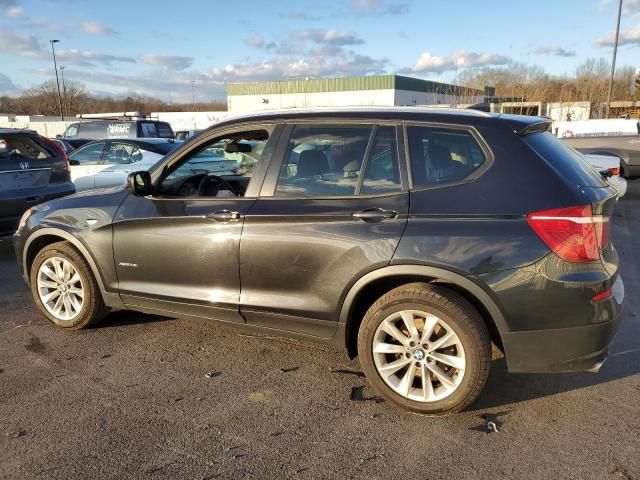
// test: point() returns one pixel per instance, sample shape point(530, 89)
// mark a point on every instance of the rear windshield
point(567, 162)
point(18, 147)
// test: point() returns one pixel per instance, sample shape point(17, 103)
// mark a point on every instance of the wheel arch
point(375, 284)
point(47, 236)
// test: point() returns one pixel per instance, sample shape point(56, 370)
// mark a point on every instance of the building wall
point(254, 103)
point(382, 97)
point(189, 120)
point(48, 129)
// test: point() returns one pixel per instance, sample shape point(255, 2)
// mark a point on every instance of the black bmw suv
point(410, 237)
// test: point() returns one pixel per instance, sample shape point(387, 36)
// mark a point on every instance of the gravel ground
point(147, 397)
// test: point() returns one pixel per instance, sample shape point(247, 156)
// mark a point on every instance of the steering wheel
point(205, 185)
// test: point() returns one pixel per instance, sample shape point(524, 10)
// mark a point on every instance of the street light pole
point(193, 96)
point(55, 67)
point(613, 62)
point(64, 92)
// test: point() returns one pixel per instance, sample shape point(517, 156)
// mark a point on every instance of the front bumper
point(569, 349)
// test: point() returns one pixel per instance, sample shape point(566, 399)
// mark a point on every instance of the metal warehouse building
point(385, 90)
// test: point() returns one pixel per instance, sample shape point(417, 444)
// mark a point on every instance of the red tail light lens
point(574, 233)
point(57, 148)
point(613, 171)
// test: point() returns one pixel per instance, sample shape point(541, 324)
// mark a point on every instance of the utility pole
point(193, 96)
point(64, 92)
point(55, 67)
point(613, 62)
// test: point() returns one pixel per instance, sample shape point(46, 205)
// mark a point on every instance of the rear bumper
point(569, 349)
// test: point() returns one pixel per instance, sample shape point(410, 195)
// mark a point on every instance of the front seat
point(311, 163)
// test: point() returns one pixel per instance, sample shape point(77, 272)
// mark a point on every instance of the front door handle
point(373, 214)
point(224, 216)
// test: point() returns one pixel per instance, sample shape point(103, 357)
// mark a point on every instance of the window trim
point(189, 147)
point(278, 158)
point(473, 176)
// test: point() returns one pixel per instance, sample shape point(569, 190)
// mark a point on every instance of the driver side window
point(220, 168)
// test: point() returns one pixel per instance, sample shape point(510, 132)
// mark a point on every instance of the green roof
point(346, 84)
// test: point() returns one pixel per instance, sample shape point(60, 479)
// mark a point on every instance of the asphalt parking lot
point(142, 396)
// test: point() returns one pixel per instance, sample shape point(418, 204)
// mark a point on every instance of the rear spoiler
point(541, 126)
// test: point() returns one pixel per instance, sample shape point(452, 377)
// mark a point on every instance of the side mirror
point(75, 163)
point(139, 183)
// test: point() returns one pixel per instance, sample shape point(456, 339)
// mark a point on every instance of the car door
point(331, 209)
point(177, 251)
point(85, 163)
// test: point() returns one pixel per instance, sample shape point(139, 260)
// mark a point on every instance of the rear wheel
point(425, 348)
point(64, 288)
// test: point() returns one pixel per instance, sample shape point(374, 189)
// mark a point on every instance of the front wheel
point(424, 348)
point(64, 288)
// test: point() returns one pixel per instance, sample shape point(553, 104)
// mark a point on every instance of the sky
point(163, 48)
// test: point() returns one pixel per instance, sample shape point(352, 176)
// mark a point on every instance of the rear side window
point(323, 160)
point(164, 130)
point(382, 174)
point(148, 130)
point(22, 148)
point(566, 161)
point(442, 155)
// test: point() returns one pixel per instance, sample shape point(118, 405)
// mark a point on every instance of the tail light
point(58, 149)
point(575, 234)
point(613, 171)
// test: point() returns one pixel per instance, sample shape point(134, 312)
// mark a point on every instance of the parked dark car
point(99, 129)
point(32, 170)
point(410, 237)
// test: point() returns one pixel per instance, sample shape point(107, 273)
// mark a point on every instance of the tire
point(397, 367)
point(78, 302)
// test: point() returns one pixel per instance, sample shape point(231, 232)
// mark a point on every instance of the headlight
point(23, 220)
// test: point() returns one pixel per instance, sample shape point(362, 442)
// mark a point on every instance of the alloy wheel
point(418, 355)
point(60, 288)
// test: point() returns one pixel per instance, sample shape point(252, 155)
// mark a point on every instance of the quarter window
point(323, 160)
point(440, 155)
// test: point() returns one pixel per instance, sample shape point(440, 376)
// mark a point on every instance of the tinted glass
point(441, 155)
point(20, 148)
point(122, 153)
point(164, 130)
point(148, 130)
point(323, 160)
point(87, 155)
point(382, 174)
point(564, 160)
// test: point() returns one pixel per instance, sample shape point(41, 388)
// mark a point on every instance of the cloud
point(428, 63)
point(378, 7)
point(255, 41)
point(14, 12)
point(328, 37)
point(629, 37)
point(554, 50)
point(23, 44)
point(171, 62)
point(629, 7)
point(97, 29)
point(88, 58)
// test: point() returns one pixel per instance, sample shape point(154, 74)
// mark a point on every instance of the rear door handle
point(224, 216)
point(375, 214)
